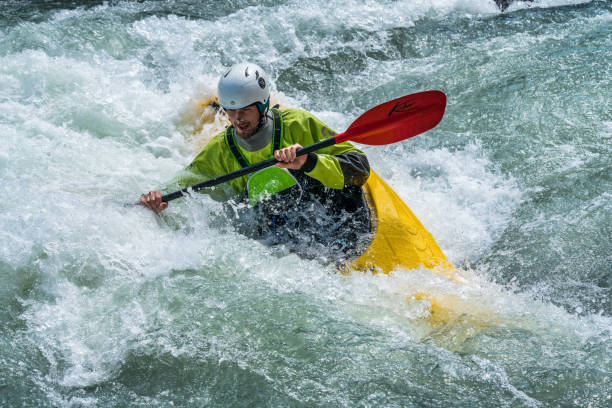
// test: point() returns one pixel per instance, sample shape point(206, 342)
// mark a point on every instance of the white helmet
point(242, 85)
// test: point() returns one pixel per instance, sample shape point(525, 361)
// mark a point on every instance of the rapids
point(106, 305)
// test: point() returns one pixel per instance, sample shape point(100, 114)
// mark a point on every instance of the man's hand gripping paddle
point(387, 123)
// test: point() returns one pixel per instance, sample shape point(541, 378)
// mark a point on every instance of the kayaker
point(303, 200)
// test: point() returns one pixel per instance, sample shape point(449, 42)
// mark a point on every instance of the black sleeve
point(355, 167)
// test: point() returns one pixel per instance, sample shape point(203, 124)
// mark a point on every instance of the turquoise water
point(103, 305)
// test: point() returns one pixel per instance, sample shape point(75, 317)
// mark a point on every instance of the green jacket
point(336, 167)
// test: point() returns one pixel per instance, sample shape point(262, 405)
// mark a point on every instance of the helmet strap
point(263, 109)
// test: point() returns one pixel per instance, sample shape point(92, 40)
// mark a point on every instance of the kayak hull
point(400, 239)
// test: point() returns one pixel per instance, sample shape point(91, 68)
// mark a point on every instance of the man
point(312, 201)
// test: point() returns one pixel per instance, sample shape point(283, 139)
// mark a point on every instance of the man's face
point(244, 120)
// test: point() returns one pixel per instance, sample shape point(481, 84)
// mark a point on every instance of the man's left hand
point(288, 159)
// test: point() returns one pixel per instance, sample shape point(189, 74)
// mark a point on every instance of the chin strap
point(263, 114)
point(262, 121)
point(263, 107)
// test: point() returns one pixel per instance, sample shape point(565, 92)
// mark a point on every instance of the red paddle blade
point(397, 120)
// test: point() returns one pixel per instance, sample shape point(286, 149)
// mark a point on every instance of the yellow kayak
point(400, 240)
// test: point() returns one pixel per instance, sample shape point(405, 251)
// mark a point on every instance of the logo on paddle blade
point(403, 106)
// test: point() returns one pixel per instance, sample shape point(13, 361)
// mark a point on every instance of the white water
point(91, 115)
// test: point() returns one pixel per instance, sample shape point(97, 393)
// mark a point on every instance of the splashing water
point(105, 305)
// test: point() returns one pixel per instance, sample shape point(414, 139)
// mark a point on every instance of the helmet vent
point(246, 72)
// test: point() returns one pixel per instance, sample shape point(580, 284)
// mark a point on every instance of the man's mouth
point(242, 126)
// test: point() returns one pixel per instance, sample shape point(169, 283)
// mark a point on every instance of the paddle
point(386, 123)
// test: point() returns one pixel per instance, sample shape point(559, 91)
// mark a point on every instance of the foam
point(82, 124)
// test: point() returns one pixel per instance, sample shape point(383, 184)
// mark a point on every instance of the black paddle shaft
point(245, 170)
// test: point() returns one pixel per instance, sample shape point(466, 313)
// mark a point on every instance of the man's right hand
point(153, 201)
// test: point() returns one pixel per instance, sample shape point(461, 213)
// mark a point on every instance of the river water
point(106, 305)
